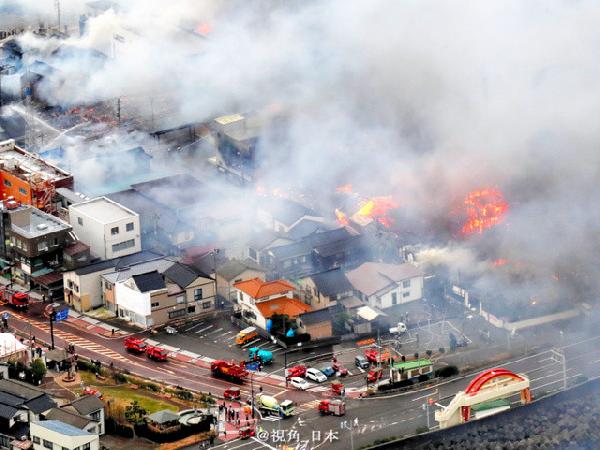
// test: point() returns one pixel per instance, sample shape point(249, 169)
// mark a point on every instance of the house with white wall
point(54, 434)
point(384, 285)
point(107, 227)
point(258, 300)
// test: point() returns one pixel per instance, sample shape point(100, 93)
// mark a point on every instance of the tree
point(429, 353)
point(38, 369)
point(135, 414)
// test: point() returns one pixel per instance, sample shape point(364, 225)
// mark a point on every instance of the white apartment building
point(107, 227)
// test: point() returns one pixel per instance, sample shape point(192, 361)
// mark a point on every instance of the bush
point(442, 350)
point(416, 355)
point(429, 353)
point(184, 395)
point(120, 378)
point(151, 387)
point(38, 369)
point(86, 365)
point(446, 372)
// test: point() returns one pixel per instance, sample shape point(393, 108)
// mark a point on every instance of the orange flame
point(377, 208)
point(204, 28)
point(484, 209)
point(500, 262)
point(341, 217)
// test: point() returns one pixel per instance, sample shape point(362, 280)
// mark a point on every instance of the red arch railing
point(485, 377)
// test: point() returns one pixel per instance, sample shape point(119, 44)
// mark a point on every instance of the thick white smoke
point(420, 100)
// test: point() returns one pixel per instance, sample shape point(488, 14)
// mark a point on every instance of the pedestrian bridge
point(493, 384)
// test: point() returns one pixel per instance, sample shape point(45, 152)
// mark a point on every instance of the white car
point(299, 383)
point(315, 375)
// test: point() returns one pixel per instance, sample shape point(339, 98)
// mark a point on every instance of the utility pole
point(57, 5)
point(52, 317)
point(119, 110)
point(558, 355)
point(252, 390)
point(285, 367)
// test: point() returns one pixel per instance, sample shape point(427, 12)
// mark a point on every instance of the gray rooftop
point(103, 210)
point(30, 222)
point(163, 416)
point(159, 265)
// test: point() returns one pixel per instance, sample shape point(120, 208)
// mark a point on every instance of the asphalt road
point(401, 414)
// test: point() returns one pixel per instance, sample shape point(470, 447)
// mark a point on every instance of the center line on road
point(204, 329)
point(424, 396)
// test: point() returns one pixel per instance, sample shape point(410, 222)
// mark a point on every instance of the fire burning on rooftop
point(484, 209)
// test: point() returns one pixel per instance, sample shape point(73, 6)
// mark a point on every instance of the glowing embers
point(483, 209)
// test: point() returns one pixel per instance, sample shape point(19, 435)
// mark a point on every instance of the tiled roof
point(331, 282)
point(257, 288)
point(233, 268)
point(163, 416)
point(183, 275)
point(87, 404)
point(75, 248)
point(290, 307)
point(319, 316)
point(151, 281)
point(70, 418)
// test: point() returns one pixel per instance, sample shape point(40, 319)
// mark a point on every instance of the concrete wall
point(61, 440)
point(90, 289)
point(123, 236)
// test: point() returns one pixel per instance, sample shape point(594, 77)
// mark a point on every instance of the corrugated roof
point(371, 277)
point(257, 288)
point(163, 416)
point(159, 265)
point(7, 412)
point(290, 307)
point(151, 281)
point(319, 316)
point(415, 364)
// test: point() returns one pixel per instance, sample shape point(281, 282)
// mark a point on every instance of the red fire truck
point(228, 370)
point(135, 345)
point(156, 353)
point(16, 299)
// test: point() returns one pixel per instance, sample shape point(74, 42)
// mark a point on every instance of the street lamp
point(52, 317)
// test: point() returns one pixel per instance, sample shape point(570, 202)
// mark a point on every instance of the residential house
point(386, 285)
point(76, 255)
point(20, 404)
point(259, 300)
point(197, 288)
point(259, 244)
point(306, 226)
point(89, 406)
point(321, 290)
point(124, 272)
point(72, 418)
point(282, 215)
point(234, 271)
point(54, 434)
point(82, 286)
point(110, 229)
point(316, 323)
point(317, 252)
point(37, 241)
point(158, 297)
point(11, 349)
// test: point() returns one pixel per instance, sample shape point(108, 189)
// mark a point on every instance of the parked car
point(328, 371)
point(299, 383)
point(361, 362)
point(315, 375)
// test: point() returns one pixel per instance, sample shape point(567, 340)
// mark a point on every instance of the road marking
point(204, 329)
point(424, 396)
point(215, 331)
point(193, 326)
point(250, 343)
point(263, 443)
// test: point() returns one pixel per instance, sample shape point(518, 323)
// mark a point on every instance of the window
point(80, 221)
point(406, 284)
point(22, 191)
point(36, 439)
point(48, 444)
point(178, 313)
point(197, 294)
point(55, 242)
point(180, 299)
point(129, 226)
point(7, 183)
point(86, 446)
point(95, 415)
point(394, 298)
point(154, 305)
point(405, 294)
point(123, 245)
point(70, 284)
point(66, 448)
point(42, 246)
point(191, 309)
point(206, 305)
point(114, 230)
point(252, 253)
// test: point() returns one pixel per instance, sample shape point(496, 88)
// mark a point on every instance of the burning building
point(28, 179)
